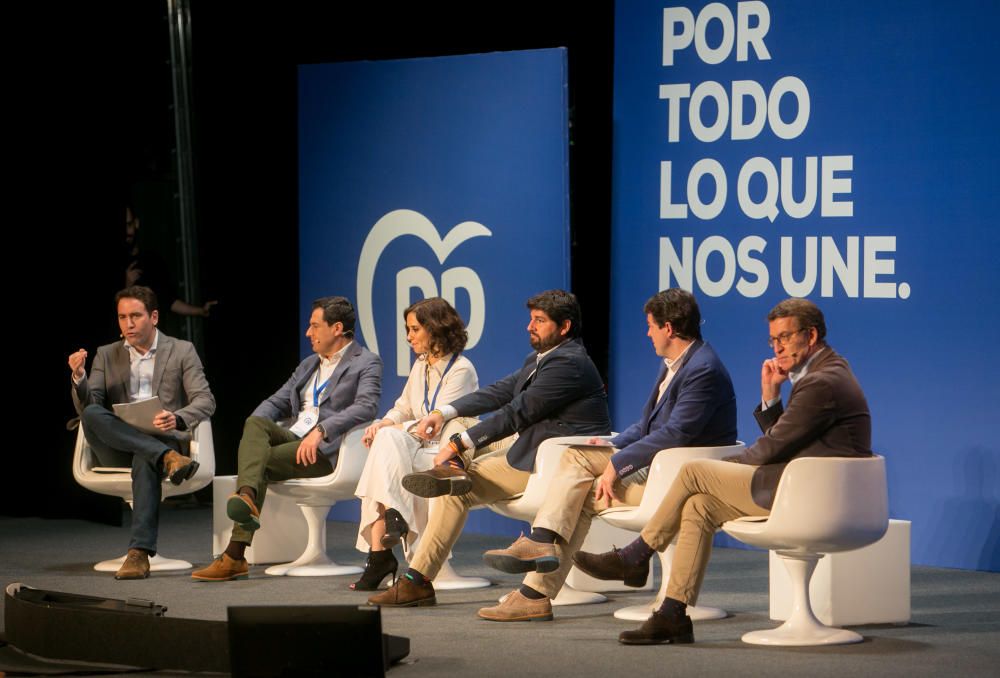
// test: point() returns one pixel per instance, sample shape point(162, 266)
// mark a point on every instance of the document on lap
point(140, 414)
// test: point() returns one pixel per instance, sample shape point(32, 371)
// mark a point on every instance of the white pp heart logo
point(407, 222)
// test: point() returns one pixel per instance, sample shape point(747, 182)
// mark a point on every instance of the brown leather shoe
point(223, 568)
point(178, 468)
point(438, 481)
point(516, 607)
point(523, 555)
point(242, 510)
point(659, 629)
point(136, 565)
point(609, 566)
point(405, 593)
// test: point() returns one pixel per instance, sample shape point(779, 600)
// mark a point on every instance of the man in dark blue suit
point(296, 433)
point(556, 392)
point(692, 404)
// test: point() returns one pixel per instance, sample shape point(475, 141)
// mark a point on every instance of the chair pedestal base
point(802, 627)
point(314, 562)
point(449, 580)
point(570, 596)
point(821, 635)
point(642, 612)
point(156, 564)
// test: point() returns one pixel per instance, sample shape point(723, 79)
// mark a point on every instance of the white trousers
point(392, 455)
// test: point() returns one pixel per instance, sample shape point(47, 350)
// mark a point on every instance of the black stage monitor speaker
point(132, 632)
point(311, 640)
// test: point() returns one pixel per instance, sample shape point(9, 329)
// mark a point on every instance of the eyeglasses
point(785, 338)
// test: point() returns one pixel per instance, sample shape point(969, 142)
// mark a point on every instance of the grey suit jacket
point(349, 400)
point(827, 416)
point(178, 379)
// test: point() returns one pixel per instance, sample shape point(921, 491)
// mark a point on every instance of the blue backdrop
point(443, 176)
point(846, 152)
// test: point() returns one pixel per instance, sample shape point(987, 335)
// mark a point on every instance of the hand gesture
point(430, 426)
point(771, 379)
point(76, 362)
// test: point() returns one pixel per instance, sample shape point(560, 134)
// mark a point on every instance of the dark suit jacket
point(565, 397)
point(697, 409)
point(178, 379)
point(827, 416)
point(349, 400)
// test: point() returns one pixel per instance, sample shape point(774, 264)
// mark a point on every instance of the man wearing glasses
point(826, 416)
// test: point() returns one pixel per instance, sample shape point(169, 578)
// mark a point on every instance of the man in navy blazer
point(692, 404)
point(296, 433)
point(827, 415)
point(557, 392)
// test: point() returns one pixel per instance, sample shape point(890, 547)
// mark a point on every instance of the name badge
point(307, 420)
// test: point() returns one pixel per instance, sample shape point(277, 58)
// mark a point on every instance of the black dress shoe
point(659, 629)
point(438, 481)
point(396, 528)
point(380, 564)
point(610, 566)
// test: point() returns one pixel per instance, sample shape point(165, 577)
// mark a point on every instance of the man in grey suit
point(827, 416)
point(147, 363)
point(296, 432)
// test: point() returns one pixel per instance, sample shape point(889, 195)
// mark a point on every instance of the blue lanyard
point(429, 407)
point(317, 390)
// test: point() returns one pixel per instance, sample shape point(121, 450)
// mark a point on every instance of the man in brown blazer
point(826, 416)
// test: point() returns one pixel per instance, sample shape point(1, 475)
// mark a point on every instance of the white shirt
point(672, 367)
point(326, 368)
point(140, 367)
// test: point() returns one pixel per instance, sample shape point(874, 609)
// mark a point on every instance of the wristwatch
point(457, 441)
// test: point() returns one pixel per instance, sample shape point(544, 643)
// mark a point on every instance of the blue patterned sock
point(636, 552)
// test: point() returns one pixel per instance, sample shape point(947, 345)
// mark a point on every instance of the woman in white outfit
point(390, 514)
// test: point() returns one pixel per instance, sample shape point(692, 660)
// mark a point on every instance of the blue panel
point(903, 102)
point(435, 176)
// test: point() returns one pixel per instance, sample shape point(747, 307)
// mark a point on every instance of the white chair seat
point(665, 467)
point(525, 505)
point(822, 505)
point(117, 482)
point(315, 497)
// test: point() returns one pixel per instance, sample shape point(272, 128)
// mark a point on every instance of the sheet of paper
point(140, 414)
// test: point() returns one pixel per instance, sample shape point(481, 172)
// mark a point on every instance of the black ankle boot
point(379, 565)
point(396, 529)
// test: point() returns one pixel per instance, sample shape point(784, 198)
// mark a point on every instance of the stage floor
point(955, 627)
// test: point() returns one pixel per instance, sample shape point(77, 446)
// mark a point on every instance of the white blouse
point(416, 401)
